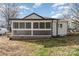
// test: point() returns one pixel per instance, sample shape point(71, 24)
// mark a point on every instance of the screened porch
point(32, 28)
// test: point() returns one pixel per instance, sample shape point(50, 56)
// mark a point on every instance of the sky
point(54, 10)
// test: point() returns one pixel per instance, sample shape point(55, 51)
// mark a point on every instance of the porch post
point(12, 28)
point(31, 28)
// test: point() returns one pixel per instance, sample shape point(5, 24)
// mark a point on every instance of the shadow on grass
point(54, 42)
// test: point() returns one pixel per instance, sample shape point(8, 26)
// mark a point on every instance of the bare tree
point(75, 11)
point(75, 14)
point(72, 13)
point(8, 10)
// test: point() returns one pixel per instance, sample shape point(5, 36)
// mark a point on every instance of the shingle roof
point(42, 18)
point(32, 14)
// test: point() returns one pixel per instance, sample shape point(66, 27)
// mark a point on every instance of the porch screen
point(15, 25)
point(28, 24)
point(42, 25)
point(48, 25)
point(22, 32)
point(22, 25)
point(42, 32)
point(35, 25)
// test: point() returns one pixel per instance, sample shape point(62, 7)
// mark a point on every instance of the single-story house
point(35, 25)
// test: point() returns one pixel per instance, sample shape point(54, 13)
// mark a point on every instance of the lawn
point(62, 46)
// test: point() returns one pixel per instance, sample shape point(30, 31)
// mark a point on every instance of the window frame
point(60, 25)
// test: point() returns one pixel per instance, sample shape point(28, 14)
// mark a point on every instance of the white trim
point(31, 20)
point(21, 35)
point(12, 28)
point(41, 35)
point(32, 28)
point(22, 29)
point(41, 29)
point(33, 35)
point(37, 21)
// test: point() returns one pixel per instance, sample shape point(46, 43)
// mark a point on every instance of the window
point(15, 25)
point(28, 25)
point(35, 25)
point(60, 25)
point(22, 25)
point(42, 25)
point(48, 25)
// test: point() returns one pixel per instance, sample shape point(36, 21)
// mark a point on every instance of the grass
point(62, 46)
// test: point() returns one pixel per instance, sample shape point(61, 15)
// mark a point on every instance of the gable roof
point(34, 16)
point(29, 16)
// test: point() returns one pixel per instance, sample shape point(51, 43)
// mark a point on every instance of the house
point(36, 26)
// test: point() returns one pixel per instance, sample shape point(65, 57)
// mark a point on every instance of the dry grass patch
point(63, 46)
